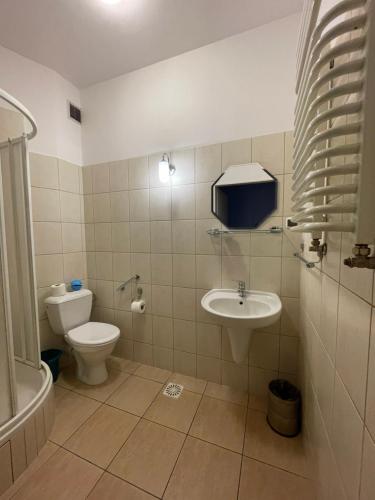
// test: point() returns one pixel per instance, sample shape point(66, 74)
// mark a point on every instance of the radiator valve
point(362, 258)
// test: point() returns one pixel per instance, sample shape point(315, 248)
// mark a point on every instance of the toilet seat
point(93, 334)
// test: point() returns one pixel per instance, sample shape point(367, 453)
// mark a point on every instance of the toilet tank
point(68, 311)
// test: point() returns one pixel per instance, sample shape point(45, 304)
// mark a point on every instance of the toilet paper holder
point(123, 285)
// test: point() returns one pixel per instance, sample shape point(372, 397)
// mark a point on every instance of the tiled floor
point(125, 439)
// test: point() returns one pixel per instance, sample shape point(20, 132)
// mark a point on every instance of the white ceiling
point(88, 41)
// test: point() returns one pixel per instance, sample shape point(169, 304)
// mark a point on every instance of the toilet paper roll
point(58, 290)
point(138, 306)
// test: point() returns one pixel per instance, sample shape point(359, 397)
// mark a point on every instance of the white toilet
point(91, 342)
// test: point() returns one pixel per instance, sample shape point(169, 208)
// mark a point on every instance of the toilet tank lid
point(68, 297)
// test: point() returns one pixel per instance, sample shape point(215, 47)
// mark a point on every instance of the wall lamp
point(165, 168)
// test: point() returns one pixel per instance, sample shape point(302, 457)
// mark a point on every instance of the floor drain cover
point(173, 390)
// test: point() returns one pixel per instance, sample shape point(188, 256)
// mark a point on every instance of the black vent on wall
point(75, 113)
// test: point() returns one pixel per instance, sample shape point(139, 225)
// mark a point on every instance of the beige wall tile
point(160, 203)
point(100, 178)
point(184, 335)
point(203, 201)
point(183, 202)
point(265, 274)
point(119, 175)
point(119, 206)
point(209, 340)
point(87, 180)
point(74, 266)
point(184, 162)
point(121, 237)
point(102, 206)
point(103, 237)
point(163, 358)
point(47, 237)
point(45, 205)
point(143, 353)
point(184, 270)
point(183, 236)
point(68, 176)
point(208, 163)
point(236, 152)
point(161, 269)
point(139, 205)
point(71, 237)
point(354, 318)
point(209, 368)
point(70, 207)
point(121, 266)
point(163, 331)
point(347, 432)
point(264, 350)
point(44, 171)
point(49, 269)
point(162, 300)
point(184, 303)
point(140, 240)
point(208, 271)
point(138, 173)
point(268, 150)
point(161, 237)
point(185, 363)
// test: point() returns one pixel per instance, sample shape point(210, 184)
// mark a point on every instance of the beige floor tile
point(190, 383)
point(102, 435)
point(175, 413)
point(263, 444)
point(45, 453)
point(204, 472)
point(257, 402)
point(112, 488)
point(125, 365)
point(226, 393)
point(153, 373)
point(264, 482)
point(63, 477)
point(221, 423)
point(135, 395)
point(71, 411)
point(100, 392)
point(148, 457)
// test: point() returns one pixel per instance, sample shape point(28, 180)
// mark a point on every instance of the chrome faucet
point(241, 289)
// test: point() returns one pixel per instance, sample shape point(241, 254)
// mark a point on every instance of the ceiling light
point(165, 168)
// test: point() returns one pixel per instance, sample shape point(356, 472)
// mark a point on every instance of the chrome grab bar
point(309, 264)
point(123, 285)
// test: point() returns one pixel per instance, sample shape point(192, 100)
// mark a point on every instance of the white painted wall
point(239, 87)
point(45, 94)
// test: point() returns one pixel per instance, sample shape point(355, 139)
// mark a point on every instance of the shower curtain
point(17, 262)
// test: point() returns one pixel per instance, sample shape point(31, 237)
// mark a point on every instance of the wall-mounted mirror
point(244, 196)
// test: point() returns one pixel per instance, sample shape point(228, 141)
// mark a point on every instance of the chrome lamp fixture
point(165, 168)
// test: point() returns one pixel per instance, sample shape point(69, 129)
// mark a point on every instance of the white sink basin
point(241, 315)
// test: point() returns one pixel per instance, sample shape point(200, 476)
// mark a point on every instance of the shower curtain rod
point(21, 108)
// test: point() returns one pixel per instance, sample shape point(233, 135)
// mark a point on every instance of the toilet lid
point(93, 333)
